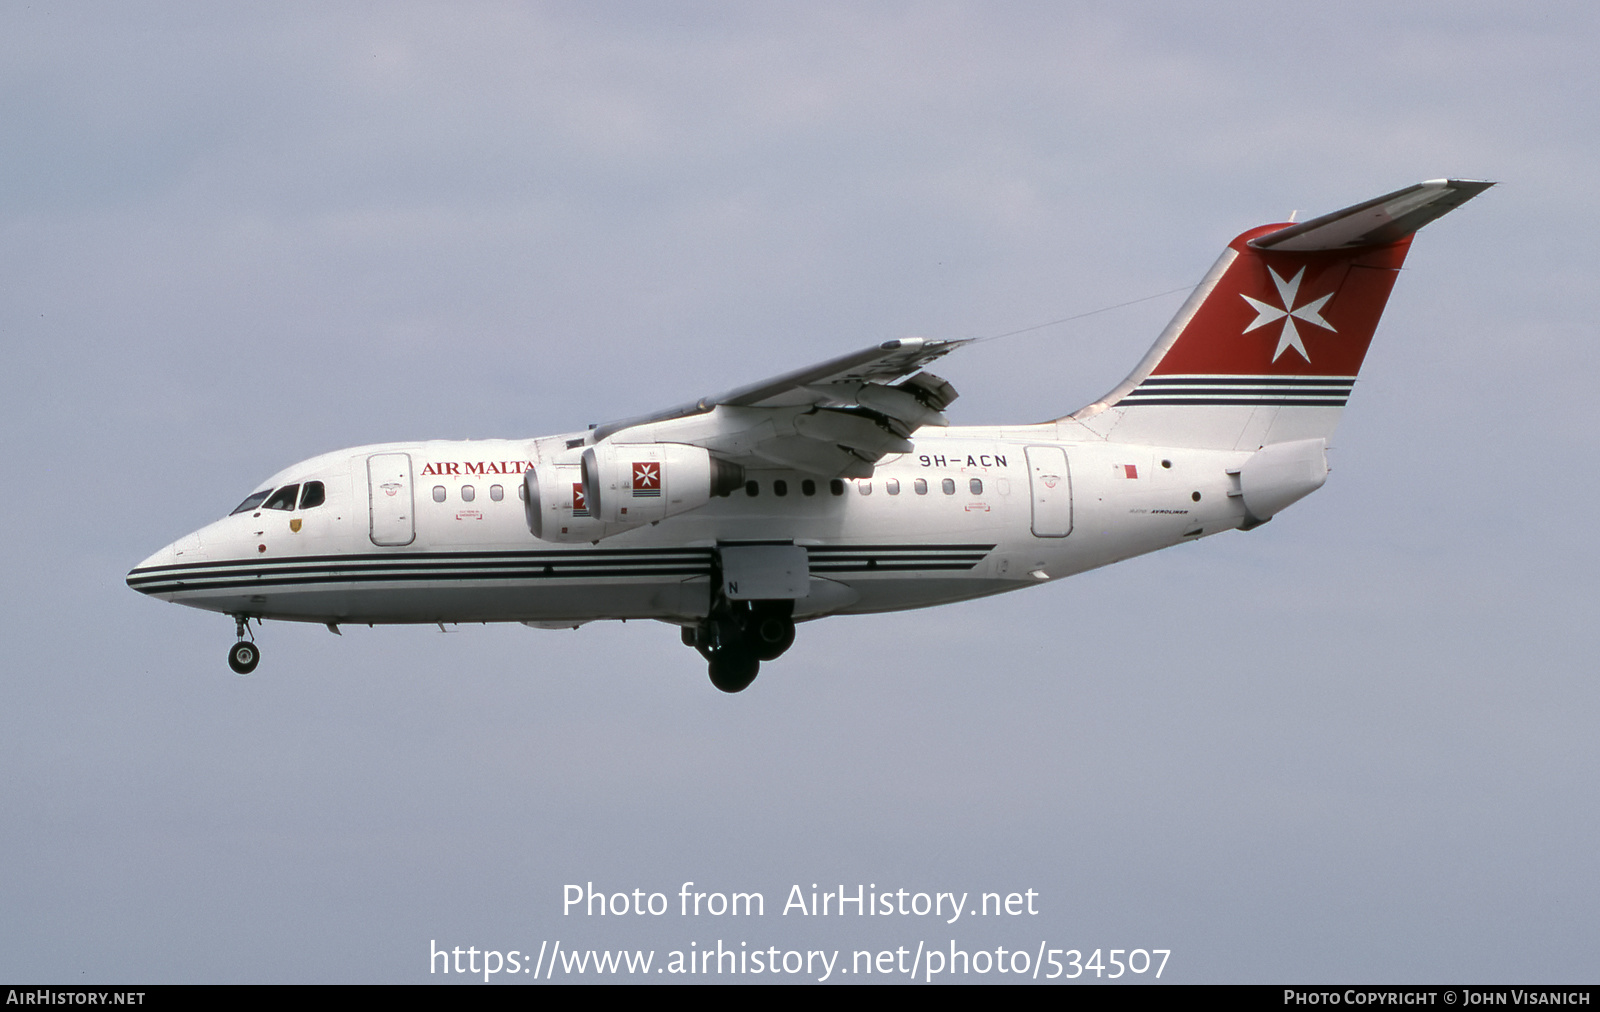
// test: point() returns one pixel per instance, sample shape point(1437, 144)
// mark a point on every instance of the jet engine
point(638, 483)
point(556, 507)
point(618, 487)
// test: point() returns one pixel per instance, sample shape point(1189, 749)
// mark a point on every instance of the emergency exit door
point(1051, 482)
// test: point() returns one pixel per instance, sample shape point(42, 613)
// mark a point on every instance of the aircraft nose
point(185, 549)
point(138, 577)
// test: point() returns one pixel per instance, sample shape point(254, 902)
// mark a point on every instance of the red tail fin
point(1267, 348)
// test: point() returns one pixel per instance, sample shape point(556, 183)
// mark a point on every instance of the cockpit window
point(252, 502)
point(284, 498)
point(312, 495)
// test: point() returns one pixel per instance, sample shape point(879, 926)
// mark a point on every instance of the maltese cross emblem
point(1310, 312)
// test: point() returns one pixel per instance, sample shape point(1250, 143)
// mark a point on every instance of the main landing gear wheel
point(733, 669)
point(243, 657)
point(731, 658)
point(736, 639)
point(771, 636)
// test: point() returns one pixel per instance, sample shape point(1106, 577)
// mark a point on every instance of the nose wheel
point(244, 655)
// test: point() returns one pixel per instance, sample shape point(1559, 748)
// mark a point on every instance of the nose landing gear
point(736, 638)
point(244, 655)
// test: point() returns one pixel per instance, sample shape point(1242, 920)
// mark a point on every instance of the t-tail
point(1267, 348)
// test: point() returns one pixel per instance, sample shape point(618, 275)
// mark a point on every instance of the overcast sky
point(1357, 744)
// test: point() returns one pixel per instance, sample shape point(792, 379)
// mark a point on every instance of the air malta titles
point(459, 468)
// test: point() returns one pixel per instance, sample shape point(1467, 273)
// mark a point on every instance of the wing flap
point(833, 419)
point(887, 362)
point(859, 434)
point(823, 383)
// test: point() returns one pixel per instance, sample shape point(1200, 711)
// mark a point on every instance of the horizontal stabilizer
point(1375, 222)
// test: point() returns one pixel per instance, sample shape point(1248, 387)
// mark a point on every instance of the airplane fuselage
point(969, 512)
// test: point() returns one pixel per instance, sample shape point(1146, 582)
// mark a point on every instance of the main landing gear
point(737, 637)
point(244, 655)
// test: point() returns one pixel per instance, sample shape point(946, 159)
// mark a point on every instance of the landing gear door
point(390, 500)
point(1051, 482)
point(764, 572)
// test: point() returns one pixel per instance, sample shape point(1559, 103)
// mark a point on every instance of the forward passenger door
point(389, 497)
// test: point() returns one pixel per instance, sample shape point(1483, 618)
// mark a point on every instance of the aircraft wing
point(834, 419)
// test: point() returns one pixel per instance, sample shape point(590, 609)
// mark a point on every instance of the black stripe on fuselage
point(576, 564)
point(425, 566)
point(895, 558)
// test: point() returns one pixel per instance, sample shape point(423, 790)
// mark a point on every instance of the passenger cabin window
point(808, 487)
point(865, 488)
point(438, 493)
point(948, 486)
point(836, 486)
point(522, 492)
point(468, 493)
point(313, 494)
point(921, 485)
point(780, 487)
point(976, 485)
point(284, 498)
point(251, 502)
point(496, 492)
point(892, 486)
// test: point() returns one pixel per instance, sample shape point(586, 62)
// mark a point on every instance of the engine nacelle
point(630, 484)
point(556, 507)
point(618, 487)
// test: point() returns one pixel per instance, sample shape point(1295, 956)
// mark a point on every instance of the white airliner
point(833, 490)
